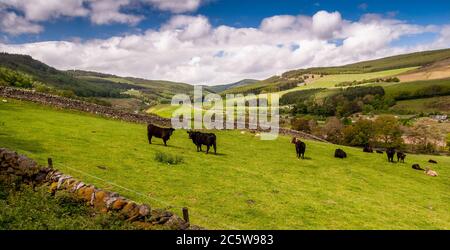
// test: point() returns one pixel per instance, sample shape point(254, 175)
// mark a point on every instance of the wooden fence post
point(186, 214)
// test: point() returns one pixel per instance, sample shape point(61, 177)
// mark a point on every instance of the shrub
point(303, 124)
point(168, 158)
point(448, 142)
point(332, 130)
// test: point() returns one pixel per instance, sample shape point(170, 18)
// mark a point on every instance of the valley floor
point(250, 184)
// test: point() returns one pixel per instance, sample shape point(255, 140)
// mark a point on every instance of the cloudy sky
point(217, 41)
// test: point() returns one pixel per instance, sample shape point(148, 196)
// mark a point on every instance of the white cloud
point(190, 49)
point(176, 6)
point(16, 25)
point(325, 24)
point(188, 27)
point(108, 11)
point(42, 10)
point(100, 12)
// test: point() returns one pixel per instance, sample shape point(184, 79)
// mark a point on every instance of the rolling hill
point(421, 62)
point(223, 87)
point(155, 88)
point(90, 84)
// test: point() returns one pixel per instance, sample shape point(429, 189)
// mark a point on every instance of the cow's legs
point(207, 148)
point(165, 142)
point(149, 139)
point(215, 148)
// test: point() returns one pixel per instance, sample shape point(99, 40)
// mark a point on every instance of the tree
point(448, 142)
point(388, 131)
point(361, 133)
point(332, 130)
point(303, 124)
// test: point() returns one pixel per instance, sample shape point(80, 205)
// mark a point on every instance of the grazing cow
point(432, 161)
point(379, 151)
point(430, 172)
point(300, 147)
point(163, 133)
point(368, 149)
point(401, 157)
point(339, 153)
point(390, 154)
point(199, 139)
point(417, 167)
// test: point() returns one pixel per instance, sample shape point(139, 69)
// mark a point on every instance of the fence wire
point(201, 218)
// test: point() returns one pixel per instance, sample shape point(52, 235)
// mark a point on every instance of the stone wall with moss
point(24, 171)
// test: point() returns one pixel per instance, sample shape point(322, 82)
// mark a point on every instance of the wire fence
point(202, 218)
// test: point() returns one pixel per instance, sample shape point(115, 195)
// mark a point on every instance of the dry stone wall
point(73, 104)
point(20, 168)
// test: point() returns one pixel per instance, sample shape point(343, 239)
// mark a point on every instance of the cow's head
point(171, 131)
point(190, 133)
point(294, 140)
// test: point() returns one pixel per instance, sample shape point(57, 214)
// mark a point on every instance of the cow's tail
point(215, 147)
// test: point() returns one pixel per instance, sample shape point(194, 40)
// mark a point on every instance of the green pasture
point(249, 184)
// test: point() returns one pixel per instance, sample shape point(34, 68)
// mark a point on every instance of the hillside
point(90, 84)
point(422, 62)
point(59, 79)
point(240, 189)
point(394, 62)
point(272, 84)
point(151, 88)
point(223, 87)
point(436, 70)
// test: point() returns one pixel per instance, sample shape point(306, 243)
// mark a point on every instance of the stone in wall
point(29, 172)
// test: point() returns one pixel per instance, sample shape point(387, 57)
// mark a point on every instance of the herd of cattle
point(300, 148)
point(198, 138)
point(209, 140)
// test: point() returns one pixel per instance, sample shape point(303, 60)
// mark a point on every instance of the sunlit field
point(249, 184)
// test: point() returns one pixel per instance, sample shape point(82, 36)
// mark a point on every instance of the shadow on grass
point(13, 143)
point(162, 144)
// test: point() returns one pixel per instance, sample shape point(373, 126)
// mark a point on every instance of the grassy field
point(433, 104)
point(414, 90)
point(250, 184)
point(329, 81)
point(394, 62)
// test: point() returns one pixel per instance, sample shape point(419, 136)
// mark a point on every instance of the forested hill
point(387, 63)
point(86, 83)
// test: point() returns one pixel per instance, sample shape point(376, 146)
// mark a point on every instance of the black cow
point(164, 133)
point(368, 149)
point(339, 153)
point(432, 161)
point(300, 147)
point(390, 154)
point(199, 139)
point(379, 151)
point(401, 157)
point(417, 167)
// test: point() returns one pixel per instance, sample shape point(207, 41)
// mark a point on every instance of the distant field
point(329, 81)
point(417, 89)
point(433, 104)
point(250, 184)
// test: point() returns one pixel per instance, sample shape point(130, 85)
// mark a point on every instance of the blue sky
point(246, 13)
point(180, 39)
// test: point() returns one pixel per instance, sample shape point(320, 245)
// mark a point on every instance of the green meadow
point(329, 81)
point(249, 184)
